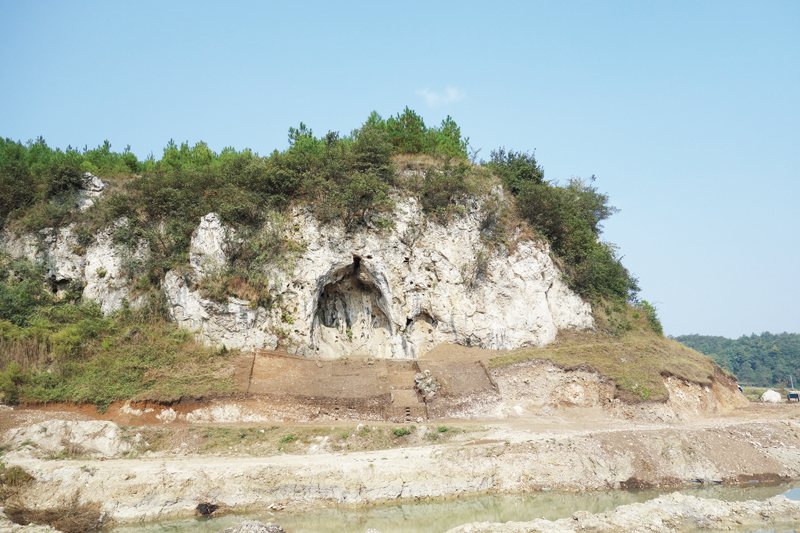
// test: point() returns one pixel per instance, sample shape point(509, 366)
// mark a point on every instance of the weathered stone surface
point(92, 188)
point(209, 244)
point(106, 281)
point(89, 438)
point(235, 324)
point(392, 293)
point(771, 396)
point(98, 266)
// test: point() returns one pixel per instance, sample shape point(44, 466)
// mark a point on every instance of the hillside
point(126, 279)
point(764, 360)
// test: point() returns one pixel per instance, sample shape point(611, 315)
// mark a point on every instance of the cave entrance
point(349, 319)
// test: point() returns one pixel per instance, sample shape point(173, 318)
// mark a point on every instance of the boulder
point(771, 396)
point(427, 384)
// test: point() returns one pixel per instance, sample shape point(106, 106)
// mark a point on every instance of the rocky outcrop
point(92, 188)
point(235, 323)
point(97, 267)
point(393, 293)
point(93, 438)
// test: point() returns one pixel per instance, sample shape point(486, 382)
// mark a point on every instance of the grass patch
point(267, 441)
point(636, 361)
point(400, 432)
point(90, 359)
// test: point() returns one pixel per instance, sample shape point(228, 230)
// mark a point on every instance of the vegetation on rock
point(346, 178)
point(62, 349)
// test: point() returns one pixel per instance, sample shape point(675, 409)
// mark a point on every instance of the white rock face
point(236, 324)
point(771, 396)
point(106, 281)
point(98, 266)
point(209, 244)
point(394, 293)
point(92, 188)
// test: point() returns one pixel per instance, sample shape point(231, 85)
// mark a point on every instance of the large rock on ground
point(771, 396)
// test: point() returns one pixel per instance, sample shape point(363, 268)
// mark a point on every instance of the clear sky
point(688, 112)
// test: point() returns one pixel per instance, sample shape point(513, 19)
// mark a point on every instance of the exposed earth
point(538, 427)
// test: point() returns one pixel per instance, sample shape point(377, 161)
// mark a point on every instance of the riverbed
point(440, 516)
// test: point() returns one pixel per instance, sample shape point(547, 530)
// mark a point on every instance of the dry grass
point(27, 353)
point(12, 480)
point(415, 162)
point(635, 361)
point(191, 379)
point(71, 518)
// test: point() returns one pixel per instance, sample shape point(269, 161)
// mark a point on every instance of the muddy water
point(439, 516)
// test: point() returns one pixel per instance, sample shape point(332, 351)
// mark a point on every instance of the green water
point(439, 516)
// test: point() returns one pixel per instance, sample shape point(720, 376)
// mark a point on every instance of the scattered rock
point(427, 384)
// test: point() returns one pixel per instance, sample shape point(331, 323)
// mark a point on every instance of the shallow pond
point(439, 516)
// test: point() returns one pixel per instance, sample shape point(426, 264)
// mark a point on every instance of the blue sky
point(688, 112)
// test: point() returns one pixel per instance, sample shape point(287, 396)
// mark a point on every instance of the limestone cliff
point(393, 293)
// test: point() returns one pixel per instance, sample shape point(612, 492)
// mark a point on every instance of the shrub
point(515, 169)
point(441, 190)
point(652, 317)
point(570, 219)
point(399, 432)
point(22, 289)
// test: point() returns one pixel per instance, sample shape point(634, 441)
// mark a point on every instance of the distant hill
point(761, 360)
